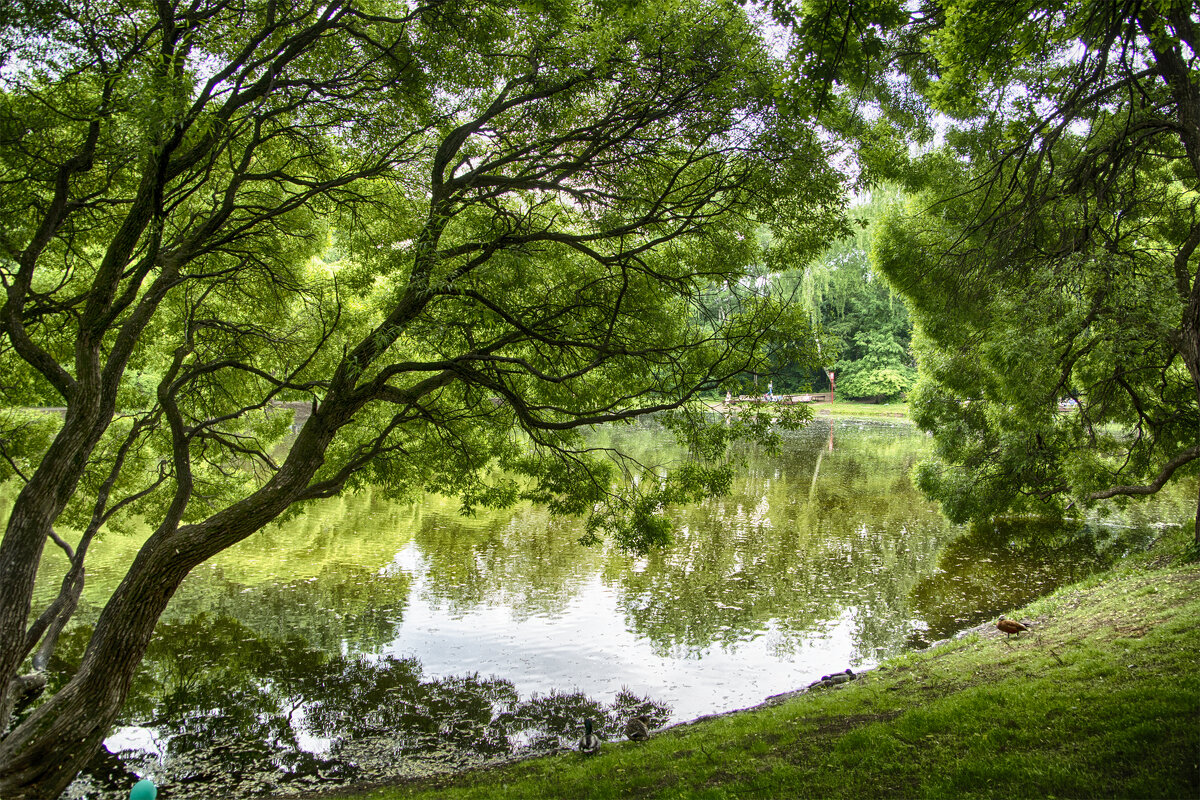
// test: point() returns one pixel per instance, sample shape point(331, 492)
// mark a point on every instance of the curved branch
point(1164, 475)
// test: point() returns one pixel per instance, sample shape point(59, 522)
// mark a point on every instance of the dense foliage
point(864, 323)
point(456, 237)
point(1049, 249)
point(453, 237)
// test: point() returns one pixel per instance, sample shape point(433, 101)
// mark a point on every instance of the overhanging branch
point(1164, 475)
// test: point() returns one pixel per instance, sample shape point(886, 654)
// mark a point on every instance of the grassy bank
point(1103, 700)
point(846, 408)
point(851, 409)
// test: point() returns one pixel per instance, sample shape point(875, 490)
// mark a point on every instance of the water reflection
point(224, 712)
point(523, 561)
point(815, 535)
point(1008, 563)
point(352, 608)
point(365, 634)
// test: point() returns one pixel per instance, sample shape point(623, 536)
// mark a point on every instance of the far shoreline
point(838, 408)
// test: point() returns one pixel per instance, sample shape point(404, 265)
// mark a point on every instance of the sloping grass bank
point(1103, 700)
point(849, 408)
point(842, 408)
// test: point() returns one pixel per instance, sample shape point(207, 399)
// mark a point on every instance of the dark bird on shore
point(638, 728)
point(1010, 626)
point(589, 745)
point(834, 679)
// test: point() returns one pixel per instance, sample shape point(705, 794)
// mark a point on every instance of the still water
point(369, 639)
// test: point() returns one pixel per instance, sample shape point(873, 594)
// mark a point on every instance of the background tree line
point(866, 331)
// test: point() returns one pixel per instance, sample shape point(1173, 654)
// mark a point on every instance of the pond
point(368, 640)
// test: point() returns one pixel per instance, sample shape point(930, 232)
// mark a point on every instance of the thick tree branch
point(1164, 475)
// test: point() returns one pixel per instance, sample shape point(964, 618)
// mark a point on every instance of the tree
point(865, 326)
point(884, 372)
point(1051, 253)
point(461, 237)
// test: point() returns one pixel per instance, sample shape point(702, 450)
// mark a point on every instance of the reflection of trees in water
point(783, 554)
point(795, 555)
point(522, 559)
point(353, 532)
point(229, 709)
point(342, 605)
point(782, 550)
point(1005, 564)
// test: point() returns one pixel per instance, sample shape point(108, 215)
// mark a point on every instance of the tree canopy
point(458, 237)
point(1048, 251)
point(864, 323)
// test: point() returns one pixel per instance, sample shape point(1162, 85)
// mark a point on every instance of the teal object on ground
point(143, 790)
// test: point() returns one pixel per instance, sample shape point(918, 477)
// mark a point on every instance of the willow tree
point(866, 331)
point(1050, 257)
point(457, 236)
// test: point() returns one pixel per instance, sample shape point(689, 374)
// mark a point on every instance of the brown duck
point(638, 728)
point(1010, 626)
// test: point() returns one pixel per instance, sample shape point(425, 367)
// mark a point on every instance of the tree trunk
point(42, 756)
point(44, 753)
point(33, 514)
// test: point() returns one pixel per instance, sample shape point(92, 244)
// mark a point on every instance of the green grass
point(844, 408)
point(847, 408)
point(1103, 700)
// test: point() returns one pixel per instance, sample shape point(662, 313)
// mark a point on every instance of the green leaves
point(1042, 251)
point(264, 254)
